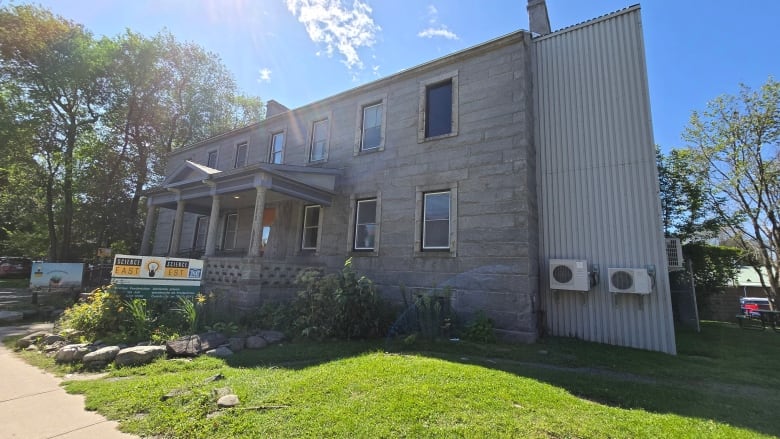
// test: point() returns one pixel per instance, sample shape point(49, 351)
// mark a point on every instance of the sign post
point(152, 277)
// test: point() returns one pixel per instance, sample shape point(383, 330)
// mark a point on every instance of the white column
point(211, 236)
point(146, 240)
point(257, 223)
point(177, 222)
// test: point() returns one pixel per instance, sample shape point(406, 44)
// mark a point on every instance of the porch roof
point(195, 184)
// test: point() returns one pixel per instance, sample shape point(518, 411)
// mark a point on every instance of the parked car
point(15, 266)
point(750, 306)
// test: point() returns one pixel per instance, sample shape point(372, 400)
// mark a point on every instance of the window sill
point(439, 137)
point(370, 151)
point(317, 162)
point(364, 253)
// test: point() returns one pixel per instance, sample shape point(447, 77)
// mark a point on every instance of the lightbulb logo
point(152, 267)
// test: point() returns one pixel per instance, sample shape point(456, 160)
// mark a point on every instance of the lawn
point(723, 383)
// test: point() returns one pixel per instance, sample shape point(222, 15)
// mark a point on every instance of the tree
point(736, 143)
point(687, 212)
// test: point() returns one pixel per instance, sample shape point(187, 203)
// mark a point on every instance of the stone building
point(448, 174)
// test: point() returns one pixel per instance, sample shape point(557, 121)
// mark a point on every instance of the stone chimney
point(538, 20)
point(272, 108)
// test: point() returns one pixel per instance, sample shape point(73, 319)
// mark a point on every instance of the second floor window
point(319, 141)
point(277, 148)
point(372, 127)
point(211, 162)
point(438, 109)
point(241, 150)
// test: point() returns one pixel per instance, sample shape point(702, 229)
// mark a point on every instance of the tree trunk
point(67, 192)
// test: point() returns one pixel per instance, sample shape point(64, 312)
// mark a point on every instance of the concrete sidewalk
point(33, 405)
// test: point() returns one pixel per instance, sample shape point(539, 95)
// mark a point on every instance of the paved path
point(33, 405)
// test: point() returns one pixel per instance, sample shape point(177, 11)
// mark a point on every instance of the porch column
point(146, 240)
point(257, 223)
point(211, 236)
point(177, 223)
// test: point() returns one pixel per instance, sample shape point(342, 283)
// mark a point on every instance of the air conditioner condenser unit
point(569, 274)
point(630, 280)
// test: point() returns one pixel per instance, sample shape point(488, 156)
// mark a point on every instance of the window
point(231, 229)
point(365, 225)
point(371, 136)
point(438, 109)
point(319, 141)
point(436, 221)
point(211, 162)
point(241, 149)
point(311, 227)
point(277, 148)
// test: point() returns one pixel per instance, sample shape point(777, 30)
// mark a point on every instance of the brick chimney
point(538, 20)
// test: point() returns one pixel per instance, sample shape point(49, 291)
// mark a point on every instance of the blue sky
point(299, 51)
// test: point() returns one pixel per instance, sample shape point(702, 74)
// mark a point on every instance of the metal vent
point(674, 254)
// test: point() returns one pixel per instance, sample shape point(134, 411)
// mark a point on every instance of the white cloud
point(440, 32)
point(339, 27)
point(265, 75)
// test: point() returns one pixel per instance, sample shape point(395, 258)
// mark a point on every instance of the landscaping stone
point(100, 357)
point(213, 378)
point(27, 340)
point(236, 344)
point(256, 342)
point(71, 334)
point(272, 337)
point(138, 355)
point(188, 346)
point(228, 401)
point(10, 316)
point(54, 347)
point(220, 352)
point(211, 340)
point(72, 353)
point(175, 393)
point(51, 339)
point(219, 392)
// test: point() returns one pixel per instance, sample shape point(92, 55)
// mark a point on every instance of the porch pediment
point(188, 172)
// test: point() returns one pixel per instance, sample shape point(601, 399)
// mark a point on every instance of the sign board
point(104, 252)
point(56, 276)
point(151, 277)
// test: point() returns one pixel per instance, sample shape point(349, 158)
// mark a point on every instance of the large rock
point(228, 401)
point(255, 342)
point(27, 340)
point(51, 339)
point(193, 345)
point(138, 355)
point(188, 346)
point(272, 337)
point(220, 352)
point(236, 343)
point(72, 353)
point(100, 357)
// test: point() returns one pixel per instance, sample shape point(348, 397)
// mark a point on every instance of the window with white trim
point(277, 148)
point(365, 225)
point(201, 231)
point(241, 150)
point(311, 227)
point(436, 221)
point(371, 133)
point(231, 230)
point(319, 141)
point(211, 161)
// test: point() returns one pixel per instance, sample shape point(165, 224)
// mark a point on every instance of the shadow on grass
point(723, 374)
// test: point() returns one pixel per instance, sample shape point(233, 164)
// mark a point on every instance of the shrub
point(480, 330)
point(98, 316)
point(139, 319)
point(342, 305)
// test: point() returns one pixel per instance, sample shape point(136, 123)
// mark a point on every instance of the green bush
point(100, 315)
point(481, 329)
point(342, 305)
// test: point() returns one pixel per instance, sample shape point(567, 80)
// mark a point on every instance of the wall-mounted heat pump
point(630, 280)
point(569, 274)
point(674, 254)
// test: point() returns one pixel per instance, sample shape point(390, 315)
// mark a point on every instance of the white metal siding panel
point(598, 185)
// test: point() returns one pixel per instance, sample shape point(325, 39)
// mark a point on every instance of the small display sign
point(152, 277)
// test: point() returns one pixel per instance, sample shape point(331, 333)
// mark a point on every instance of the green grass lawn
point(723, 383)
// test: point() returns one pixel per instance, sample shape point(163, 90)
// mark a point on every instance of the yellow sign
point(152, 267)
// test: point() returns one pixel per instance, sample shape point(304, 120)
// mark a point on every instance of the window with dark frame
point(436, 221)
point(231, 230)
point(371, 136)
point(438, 109)
point(201, 231)
point(365, 225)
point(211, 162)
point(241, 150)
point(311, 227)
point(277, 148)
point(319, 141)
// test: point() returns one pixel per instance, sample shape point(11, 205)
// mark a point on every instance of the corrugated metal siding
point(598, 185)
